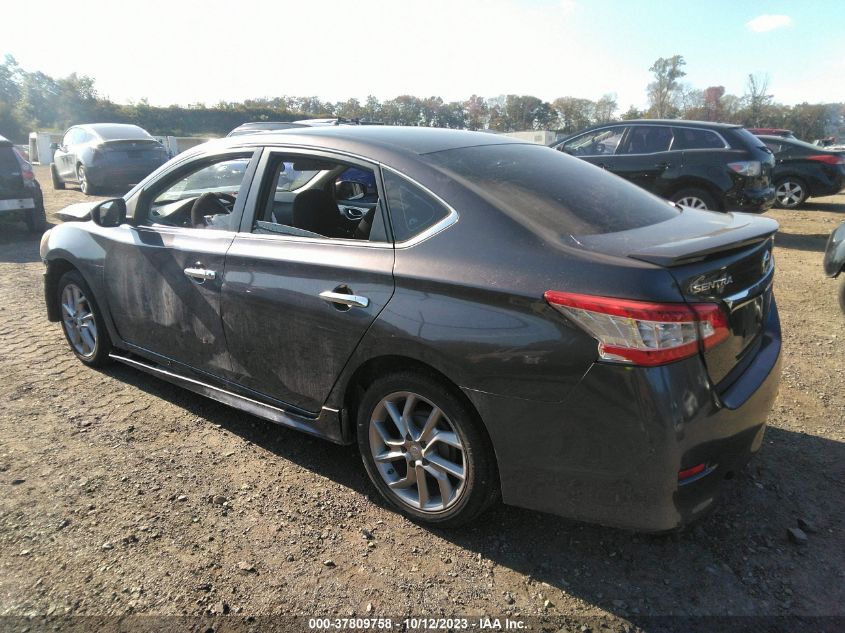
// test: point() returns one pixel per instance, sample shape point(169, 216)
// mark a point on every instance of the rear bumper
point(13, 205)
point(612, 451)
point(751, 200)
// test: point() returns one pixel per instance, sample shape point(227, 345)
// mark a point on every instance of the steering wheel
point(599, 148)
point(210, 203)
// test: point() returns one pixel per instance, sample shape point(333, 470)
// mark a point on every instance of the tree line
point(35, 101)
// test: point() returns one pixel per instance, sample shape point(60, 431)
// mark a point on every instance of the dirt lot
point(112, 484)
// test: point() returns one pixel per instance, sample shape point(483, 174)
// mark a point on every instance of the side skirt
point(326, 425)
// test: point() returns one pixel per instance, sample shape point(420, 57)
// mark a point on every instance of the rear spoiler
point(742, 231)
point(114, 141)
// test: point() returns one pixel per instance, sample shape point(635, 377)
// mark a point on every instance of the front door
point(164, 275)
point(64, 157)
point(304, 279)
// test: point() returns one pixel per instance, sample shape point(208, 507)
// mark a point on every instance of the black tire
point(695, 198)
point(790, 192)
point(36, 219)
point(98, 354)
point(480, 485)
point(842, 295)
point(58, 183)
point(84, 185)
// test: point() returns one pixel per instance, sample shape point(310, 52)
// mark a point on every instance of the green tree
point(756, 99)
point(663, 91)
point(574, 114)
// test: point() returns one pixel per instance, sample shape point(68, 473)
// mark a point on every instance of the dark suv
point(20, 193)
point(701, 165)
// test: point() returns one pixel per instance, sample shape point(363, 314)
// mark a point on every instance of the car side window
point(689, 138)
point(648, 139)
point(776, 148)
point(71, 137)
point(595, 143)
point(412, 210)
point(202, 198)
point(310, 197)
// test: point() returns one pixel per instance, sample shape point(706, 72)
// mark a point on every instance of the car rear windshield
point(8, 162)
point(119, 132)
point(551, 191)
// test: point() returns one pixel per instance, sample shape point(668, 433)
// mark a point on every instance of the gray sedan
point(485, 318)
point(105, 156)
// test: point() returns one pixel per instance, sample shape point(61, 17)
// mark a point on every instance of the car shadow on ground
point(829, 207)
point(17, 244)
point(744, 561)
point(815, 242)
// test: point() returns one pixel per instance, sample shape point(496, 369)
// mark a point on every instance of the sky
point(186, 51)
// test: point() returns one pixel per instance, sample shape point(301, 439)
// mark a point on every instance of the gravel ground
point(124, 495)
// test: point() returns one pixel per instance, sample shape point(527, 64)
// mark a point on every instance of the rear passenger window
point(689, 138)
point(412, 210)
point(320, 198)
point(648, 139)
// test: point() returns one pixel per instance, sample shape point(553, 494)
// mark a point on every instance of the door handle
point(346, 299)
point(663, 165)
point(200, 273)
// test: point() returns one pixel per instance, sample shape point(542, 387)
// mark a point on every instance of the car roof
point(110, 129)
point(268, 125)
point(361, 139)
point(681, 123)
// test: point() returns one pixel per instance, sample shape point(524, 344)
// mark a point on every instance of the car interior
point(303, 197)
point(318, 198)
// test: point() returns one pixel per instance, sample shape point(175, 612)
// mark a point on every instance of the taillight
point(749, 168)
point(26, 166)
point(828, 159)
point(641, 332)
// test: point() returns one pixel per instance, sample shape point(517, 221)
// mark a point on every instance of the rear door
point(646, 158)
point(297, 301)
point(163, 276)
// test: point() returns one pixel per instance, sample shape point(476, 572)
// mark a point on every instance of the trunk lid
point(713, 258)
point(137, 149)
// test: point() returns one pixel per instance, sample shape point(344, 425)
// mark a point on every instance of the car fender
point(834, 252)
point(81, 245)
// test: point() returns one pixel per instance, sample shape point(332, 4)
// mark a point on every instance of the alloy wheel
point(83, 180)
point(417, 452)
point(789, 194)
point(78, 320)
point(693, 202)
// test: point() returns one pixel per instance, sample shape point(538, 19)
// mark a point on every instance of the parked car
point(503, 319)
point(771, 131)
point(834, 259)
point(803, 170)
point(105, 156)
point(20, 193)
point(701, 165)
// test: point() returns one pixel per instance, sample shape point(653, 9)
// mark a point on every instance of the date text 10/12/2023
point(416, 624)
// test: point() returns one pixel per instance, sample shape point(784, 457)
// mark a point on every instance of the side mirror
point(349, 190)
point(109, 212)
point(55, 146)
